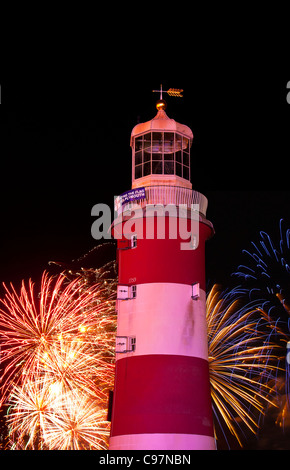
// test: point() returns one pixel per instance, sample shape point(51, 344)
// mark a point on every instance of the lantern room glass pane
point(168, 142)
point(147, 141)
point(156, 167)
point(178, 156)
point(146, 157)
point(138, 157)
point(157, 156)
point(157, 142)
point(185, 144)
point(178, 142)
point(178, 169)
point(186, 172)
point(147, 169)
point(168, 168)
point(138, 143)
point(138, 171)
point(185, 159)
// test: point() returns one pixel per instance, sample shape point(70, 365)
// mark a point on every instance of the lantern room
point(161, 152)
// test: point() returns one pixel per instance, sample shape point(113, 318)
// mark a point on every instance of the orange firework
point(60, 340)
point(45, 416)
point(243, 362)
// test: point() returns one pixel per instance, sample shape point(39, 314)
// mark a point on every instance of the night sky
point(59, 158)
point(65, 146)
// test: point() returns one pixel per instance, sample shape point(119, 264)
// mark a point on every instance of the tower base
point(162, 442)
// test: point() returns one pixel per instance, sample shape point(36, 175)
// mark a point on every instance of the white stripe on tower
point(165, 320)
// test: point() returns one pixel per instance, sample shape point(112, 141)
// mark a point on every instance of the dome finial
point(161, 104)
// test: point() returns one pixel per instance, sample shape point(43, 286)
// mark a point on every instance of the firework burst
point(44, 416)
point(58, 354)
point(267, 274)
point(267, 277)
point(30, 406)
point(243, 362)
point(79, 423)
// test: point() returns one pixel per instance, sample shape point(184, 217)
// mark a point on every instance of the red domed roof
point(161, 122)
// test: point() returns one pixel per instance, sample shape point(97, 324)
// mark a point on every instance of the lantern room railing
point(164, 195)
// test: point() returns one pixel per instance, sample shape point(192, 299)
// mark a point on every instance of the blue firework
point(266, 278)
point(267, 273)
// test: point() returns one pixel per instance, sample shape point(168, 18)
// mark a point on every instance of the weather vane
point(171, 92)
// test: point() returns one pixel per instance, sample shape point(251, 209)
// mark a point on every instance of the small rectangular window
point(132, 343)
point(195, 291)
point(133, 292)
point(133, 241)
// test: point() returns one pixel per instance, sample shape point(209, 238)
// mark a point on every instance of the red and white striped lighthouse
point(162, 390)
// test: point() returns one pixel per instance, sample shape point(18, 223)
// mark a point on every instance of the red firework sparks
point(61, 337)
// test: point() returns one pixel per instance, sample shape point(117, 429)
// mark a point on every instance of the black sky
point(68, 108)
point(61, 154)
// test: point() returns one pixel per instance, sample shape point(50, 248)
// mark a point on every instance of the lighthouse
point(162, 394)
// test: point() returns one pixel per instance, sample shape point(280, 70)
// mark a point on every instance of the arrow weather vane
point(171, 92)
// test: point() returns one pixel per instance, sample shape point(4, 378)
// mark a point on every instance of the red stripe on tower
point(151, 396)
point(162, 389)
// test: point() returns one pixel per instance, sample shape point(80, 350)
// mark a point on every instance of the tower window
point(133, 241)
point(133, 292)
point(195, 291)
point(132, 344)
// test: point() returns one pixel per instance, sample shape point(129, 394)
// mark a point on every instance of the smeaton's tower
point(162, 390)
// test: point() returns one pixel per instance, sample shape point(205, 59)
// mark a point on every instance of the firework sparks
point(242, 361)
point(43, 416)
point(59, 356)
point(267, 274)
point(30, 406)
point(78, 423)
point(32, 325)
point(57, 348)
